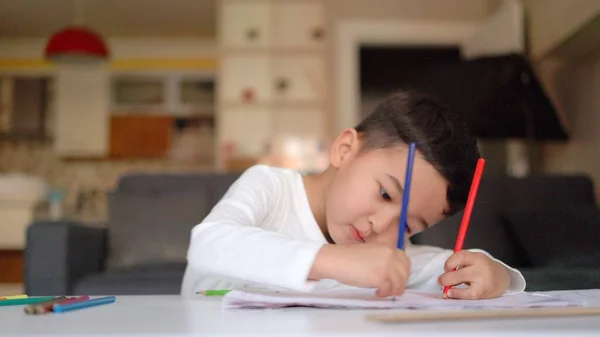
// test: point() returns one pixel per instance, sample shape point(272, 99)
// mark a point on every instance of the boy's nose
point(364, 232)
point(382, 223)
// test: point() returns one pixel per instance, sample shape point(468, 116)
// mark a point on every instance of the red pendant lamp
point(76, 41)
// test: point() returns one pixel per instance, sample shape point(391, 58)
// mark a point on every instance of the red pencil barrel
point(466, 219)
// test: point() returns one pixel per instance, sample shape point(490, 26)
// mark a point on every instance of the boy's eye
point(384, 194)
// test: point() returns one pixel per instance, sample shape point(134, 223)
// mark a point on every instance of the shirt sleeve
point(428, 264)
point(230, 244)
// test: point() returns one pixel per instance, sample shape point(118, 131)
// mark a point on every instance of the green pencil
point(213, 292)
point(25, 301)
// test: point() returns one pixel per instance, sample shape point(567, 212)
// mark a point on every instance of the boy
point(279, 229)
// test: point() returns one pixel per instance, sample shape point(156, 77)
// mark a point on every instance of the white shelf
point(184, 111)
point(272, 78)
point(272, 105)
point(313, 51)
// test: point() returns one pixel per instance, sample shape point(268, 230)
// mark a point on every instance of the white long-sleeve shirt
point(262, 233)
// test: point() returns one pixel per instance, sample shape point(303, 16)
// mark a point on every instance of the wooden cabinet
point(298, 79)
point(247, 77)
point(140, 136)
point(24, 106)
point(266, 79)
point(248, 127)
point(12, 266)
point(272, 74)
point(246, 24)
point(298, 121)
point(173, 93)
point(157, 115)
point(271, 24)
point(81, 109)
point(298, 25)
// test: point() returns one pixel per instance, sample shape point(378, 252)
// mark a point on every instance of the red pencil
point(72, 300)
point(464, 225)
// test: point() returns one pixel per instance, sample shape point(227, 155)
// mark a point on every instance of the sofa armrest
point(58, 254)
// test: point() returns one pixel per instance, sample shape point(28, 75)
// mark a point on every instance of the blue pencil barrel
point(412, 147)
point(83, 304)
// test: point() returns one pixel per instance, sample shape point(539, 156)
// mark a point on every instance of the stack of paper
point(366, 299)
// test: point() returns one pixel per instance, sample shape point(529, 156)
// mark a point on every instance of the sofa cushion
point(214, 184)
point(556, 232)
point(159, 279)
point(551, 278)
point(585, 259)
point(498, 194)
point(152, 228)
point(486, 229)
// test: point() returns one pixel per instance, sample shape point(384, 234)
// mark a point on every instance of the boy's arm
point(228, 243)
point(428, 264)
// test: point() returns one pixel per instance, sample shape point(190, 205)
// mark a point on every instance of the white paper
point(366, 299)
point(590, 297)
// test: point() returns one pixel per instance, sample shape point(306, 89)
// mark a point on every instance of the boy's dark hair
point(440, 134)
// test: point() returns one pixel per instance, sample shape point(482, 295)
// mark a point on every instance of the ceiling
point(114, 18)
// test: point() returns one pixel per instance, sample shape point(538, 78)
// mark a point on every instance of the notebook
point(366, 299)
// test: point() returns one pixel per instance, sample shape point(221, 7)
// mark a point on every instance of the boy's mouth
point(356, 234)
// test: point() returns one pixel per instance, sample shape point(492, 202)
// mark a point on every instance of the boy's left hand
point(484, 277)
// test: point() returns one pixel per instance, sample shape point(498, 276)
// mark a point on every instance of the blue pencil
point(83, 304)
point(407, 179)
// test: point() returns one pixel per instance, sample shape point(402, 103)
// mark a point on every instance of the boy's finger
point(384, 290)
point(400, 279)
point(462, 258)
point(457, 277)
point(470, 293)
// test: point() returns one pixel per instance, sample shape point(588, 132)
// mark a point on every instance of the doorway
point(386, 69)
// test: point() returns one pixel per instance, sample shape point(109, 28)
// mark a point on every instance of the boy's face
point(363, 201)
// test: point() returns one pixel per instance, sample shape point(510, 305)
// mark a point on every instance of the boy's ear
point(345, 147)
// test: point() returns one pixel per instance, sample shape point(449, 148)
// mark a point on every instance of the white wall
point(553, 21)
point(456, 10)
point(120, 48)
point(429, 11)
point(576, 87)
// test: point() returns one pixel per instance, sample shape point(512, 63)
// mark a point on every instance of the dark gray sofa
point(142, 248)
point(547, 226)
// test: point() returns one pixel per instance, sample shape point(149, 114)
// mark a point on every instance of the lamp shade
point(76, 41)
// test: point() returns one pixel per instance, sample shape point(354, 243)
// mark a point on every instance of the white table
point(174, 316)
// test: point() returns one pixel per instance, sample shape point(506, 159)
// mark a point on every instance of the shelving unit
point(271, 74)
point(147, 109)
point(173, 94)
point(25, 105)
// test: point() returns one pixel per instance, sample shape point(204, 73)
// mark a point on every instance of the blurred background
point(110, 109)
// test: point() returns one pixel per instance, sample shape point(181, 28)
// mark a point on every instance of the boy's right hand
point(366, 265)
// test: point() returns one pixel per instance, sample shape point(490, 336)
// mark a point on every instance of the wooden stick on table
point(428, 316)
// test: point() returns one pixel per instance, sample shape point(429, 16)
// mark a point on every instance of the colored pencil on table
point(407, 179)
point(72, 300)
point(41, 307)
point(466, 219)
point(25, 301)
point(47, 306)
point(83, 304)
point(213, 292)
point(13, 297)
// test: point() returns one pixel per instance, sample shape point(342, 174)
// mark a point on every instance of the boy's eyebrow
point(396, 183)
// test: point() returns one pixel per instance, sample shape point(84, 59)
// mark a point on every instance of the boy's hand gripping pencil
point(407, 179)
point(464, 225)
